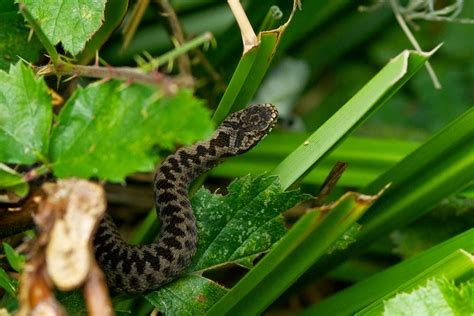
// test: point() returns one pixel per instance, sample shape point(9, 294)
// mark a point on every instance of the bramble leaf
point(437, 297)
point(67, 21)
point(245, 222)
point(108, 130)
point(25, 116)
point(191, 295)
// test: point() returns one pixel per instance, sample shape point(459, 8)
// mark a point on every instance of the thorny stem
point(177, 31)
point(52, 52)
point(414, 42)
point(169, 85)
point(173, 54)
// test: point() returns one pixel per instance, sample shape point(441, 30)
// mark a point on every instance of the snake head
point(250, 125)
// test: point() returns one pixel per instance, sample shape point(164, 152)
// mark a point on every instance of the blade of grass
point(458, 266)
point(367, 158)
point(440, 167)
point(352, 114)
point(356, 297)
point(306, 241)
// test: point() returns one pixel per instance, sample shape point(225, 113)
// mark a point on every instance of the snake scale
point(139, 268)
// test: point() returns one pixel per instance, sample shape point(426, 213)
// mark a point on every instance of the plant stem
point(170, 85)
point(52, 52)
point(177, 32)
point(173, 54)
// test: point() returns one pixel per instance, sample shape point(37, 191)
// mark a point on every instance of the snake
point(139, 268)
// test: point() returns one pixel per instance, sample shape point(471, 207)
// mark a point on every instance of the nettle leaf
point(245, 222)
point(108, 130)
point(25, 116)
point(234, 228)
point(70, 22)
point(191, 295)
point(12, 182)
point(437, 297)
point(15, 40)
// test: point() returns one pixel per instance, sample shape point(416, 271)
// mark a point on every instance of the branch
point(169, 85)
point(168, 11)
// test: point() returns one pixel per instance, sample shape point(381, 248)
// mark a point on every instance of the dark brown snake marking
point(138, 268)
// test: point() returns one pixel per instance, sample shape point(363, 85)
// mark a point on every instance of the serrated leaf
point(437, 297)
point(191, 295)
point(7, 283)
point(68, 21)
point(11, 181)
point(14, 37)
point(108, 130)
point(243, 223)
point(15, 260)
point(25, 115)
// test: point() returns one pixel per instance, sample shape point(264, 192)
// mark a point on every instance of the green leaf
point(15, 259)
point(25, 116)
point(245, 222)
point(14, 34)
point(12, 181)
point(8, 284)
point(438, 297)
point(191, 295)
point(108, 130)
point(67, 21)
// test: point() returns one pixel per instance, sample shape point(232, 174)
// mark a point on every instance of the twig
point(154, 63)
point(414, 42)
point(169, 85)
point(168, 11)
point(52, 52)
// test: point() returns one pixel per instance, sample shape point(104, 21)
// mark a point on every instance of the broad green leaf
point(25, 116)
point(191, 295)
point(15, 260)
point(67, 21)
point(437, 297)
point(14, 41)
point(12, 181)
point(7, 283)
point(243, 223)
point(108, 130)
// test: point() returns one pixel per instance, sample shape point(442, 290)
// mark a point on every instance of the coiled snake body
point(138, 268)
